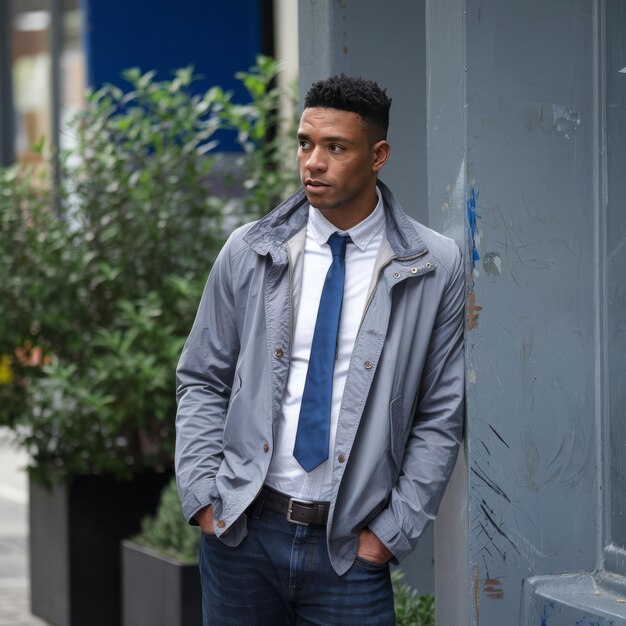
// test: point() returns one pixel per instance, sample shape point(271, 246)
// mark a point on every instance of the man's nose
point(316, 162)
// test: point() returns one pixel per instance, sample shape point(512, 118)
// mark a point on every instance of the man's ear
point(381, 151)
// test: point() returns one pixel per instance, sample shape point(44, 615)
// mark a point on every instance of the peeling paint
point(473, 311)
point(472, 216)
point(492, 264)
point(565, 120)
point(493, 589)
point(475, 592)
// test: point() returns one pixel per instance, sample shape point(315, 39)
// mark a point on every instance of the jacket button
point(396, 274)
point(278, 353)
point(221, 524)
point(428, 265)
point(266, 447)
point(368, 365)
point(414, 270)
point(341, 458)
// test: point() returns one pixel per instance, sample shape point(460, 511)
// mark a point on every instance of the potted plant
point(100, 275)
point(160, 576)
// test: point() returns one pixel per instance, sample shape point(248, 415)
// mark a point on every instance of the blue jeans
point(280, 574)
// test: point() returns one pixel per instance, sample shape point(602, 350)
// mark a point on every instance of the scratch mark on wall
point(497, 434)
point(497, 528)
point(491, 543)
point(493, 588)
point(492, 485)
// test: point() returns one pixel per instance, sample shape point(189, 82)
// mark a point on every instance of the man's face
point(339, 164)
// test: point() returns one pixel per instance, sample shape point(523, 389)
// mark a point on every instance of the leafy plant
point(267, 136)
point(412, 609)
point(168, 531)
point(95, 304)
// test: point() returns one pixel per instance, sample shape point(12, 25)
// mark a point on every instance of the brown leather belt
point(296, 511)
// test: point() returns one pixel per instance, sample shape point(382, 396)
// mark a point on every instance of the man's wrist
point(204, 517)
point(371, 548)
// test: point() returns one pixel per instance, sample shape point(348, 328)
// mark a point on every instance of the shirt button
point(266, 447)
point(428, 265)
point(396, 274)
point(341, 458)
point(278, 353)
point(221, 524)
point(414, 270)
point(368, 365)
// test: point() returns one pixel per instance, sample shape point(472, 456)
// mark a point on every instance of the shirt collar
point(361, 234)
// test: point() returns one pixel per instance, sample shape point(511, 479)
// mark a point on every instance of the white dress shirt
point(285, 473)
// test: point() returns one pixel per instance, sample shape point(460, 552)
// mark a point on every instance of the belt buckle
point(290, 511)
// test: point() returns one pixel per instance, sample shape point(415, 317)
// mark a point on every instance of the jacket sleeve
point(437, 428)
point(204, 379)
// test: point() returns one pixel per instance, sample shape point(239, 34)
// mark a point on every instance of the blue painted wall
point(217, 38)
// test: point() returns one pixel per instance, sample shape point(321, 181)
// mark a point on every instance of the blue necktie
point(311, 447)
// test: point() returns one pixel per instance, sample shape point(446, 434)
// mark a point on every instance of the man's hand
point(204, 517)
point(371, 548)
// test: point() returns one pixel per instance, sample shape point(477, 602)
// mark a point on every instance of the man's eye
point(304, 145)
point(335, 148)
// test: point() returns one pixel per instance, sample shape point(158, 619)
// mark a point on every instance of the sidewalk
point(14, 584)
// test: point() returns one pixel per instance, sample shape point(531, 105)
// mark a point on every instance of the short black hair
point(358, 95)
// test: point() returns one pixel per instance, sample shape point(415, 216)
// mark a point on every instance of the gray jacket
point(401, 417)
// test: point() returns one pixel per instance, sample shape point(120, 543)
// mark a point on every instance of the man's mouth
point(315, 184)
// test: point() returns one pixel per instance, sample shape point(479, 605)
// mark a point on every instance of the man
point(320, 392)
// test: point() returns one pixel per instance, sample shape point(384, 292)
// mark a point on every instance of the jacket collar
point(269, 234)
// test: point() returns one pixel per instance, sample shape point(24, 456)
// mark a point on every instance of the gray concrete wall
point(518, 107)
point(531, 342)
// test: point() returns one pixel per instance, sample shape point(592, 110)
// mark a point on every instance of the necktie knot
point(338, 244)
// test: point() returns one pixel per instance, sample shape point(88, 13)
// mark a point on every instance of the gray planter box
point(75, 534)
point(158, 590)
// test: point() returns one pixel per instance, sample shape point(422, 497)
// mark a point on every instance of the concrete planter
point(159, 590)
point(75, 534)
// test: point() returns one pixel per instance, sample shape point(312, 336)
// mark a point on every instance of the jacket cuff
point(200, 494)
point(385, 527)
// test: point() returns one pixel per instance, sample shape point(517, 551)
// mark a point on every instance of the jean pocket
point(370, 565)
point(209, 536)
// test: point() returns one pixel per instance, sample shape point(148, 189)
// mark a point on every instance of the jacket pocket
point(398, 431)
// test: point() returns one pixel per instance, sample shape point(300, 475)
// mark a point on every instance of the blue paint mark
point(544, 615)
point(471, 219)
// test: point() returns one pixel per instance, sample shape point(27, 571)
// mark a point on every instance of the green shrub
point(95, 304)
point(168, 531)
point(412, 609)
